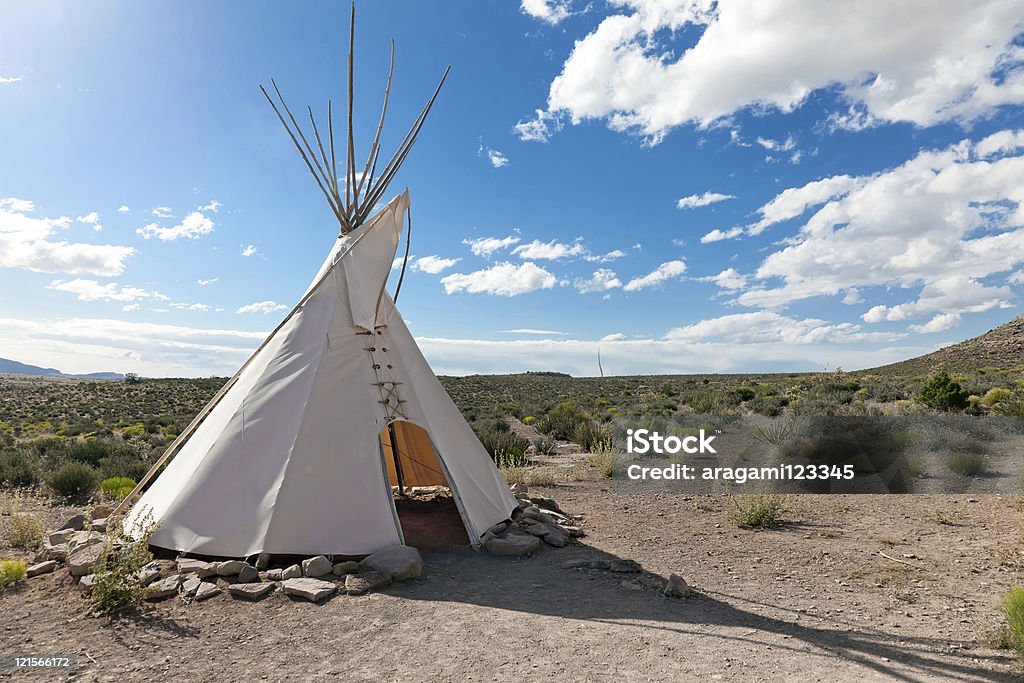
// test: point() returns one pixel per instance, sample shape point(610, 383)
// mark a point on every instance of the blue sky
point(688, 186)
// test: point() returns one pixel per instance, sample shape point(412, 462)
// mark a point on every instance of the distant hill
point(1002, 348)
point(13, 367)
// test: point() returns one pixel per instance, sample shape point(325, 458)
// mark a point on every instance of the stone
point(61, 537)
point(99, 525)
point(498, 529)
point(401, 562)
point(624, 566)
point(101, 512)
point(575, 531)
point(164, 588)
point(342, 568)
point(316, 566)
point(190, 585)
point(81, 561)
point(518, 488)
point(292, 572)
point(555, 540)
point(249, 574)
point(207, 590)
point(513, 545)
point(53, 552)
point(250, 591)
point(188, 565)
point(677, 587)
point(86, 583)
point(365, 581)
point(83, 539)
point(76, 523)
point(263, 561)
point(41, 568)
point(537, 529)
point(149, 573)
point(531, 512)
point(546, 503)
point(653, 581)
point(310, 589)
point(229, 567)
point(274, 574)
point(545, 518)
point(599, 564)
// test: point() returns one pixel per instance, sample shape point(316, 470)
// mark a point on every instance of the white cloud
point(212, 207)
point(717, 235)
point(210, 281)
point(665, 271)
point(433, 264)
point(602, 280)
point(956, 294)
point(540, 128)
point(485, 246)
point(942, 214)
point(7, 80)
point(26, 242)
point(1000, 142)
point(777, 146)
point(549, 11)
point(123, 209)
point(615, 336)
point(923, 61)
point(194, 226)
point(605, 258)
point(194, 307)
point(1017, 278)
point(249, 250)
point(940, 323)
point(92, 219)
point(729, 279)
point(695, 200)
point(548, 251)
point(91, 290)
point(497, 158)
point(852, 297)
point(128, 308)
point(504, 279)
point(768, 326)
point(162, 212)
point(262, 307)
point(530, 330)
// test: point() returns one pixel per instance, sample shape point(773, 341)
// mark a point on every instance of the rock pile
point(538, 521)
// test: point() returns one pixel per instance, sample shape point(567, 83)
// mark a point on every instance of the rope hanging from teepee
point(362, 191)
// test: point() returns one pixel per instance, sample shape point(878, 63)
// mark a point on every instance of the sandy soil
point(814, 601)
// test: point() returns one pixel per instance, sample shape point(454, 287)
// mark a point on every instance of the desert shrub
point(125, 465)
point(1012, 406)
point(759, 511)
point(562, 420)
point(89, 451)
point(529, 420)
point(506, 447)
point(770, 406)
point(544, 446)
point(941, 392)
point(995, 395)
point(117, 585)
point(15, 470)
point(1013, 610)
point(117, 488)
point(604, 461)
point(917, 468)
point(73, 480)
point(742, 394)
point(592, 436)
point(967, 464)
point(11, 572)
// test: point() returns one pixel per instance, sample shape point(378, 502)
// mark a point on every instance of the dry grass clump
point(25, 526)
point(759, 511)
point(11, 572)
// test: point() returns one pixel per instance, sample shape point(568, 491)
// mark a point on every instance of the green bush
point(117, 488)
point(769, 406)
point(117, 585)
point(995, 395)
point(942, 393)
point(562, 420)
point(89, 451)
point(967, 464)
point(73, 480)
point(529, 420)
point(759, 511)
point(11, 572)
point(1013, 609)
point(505, 447)
point(15, 470)
point(593, 436)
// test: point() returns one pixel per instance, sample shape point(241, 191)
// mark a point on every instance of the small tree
point(942, 393)
point(132, 378)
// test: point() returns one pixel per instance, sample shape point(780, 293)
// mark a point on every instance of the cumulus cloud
point(262, 307)
point(615, 336)
point(549, 11)
point(540, 128)
point(666, 271)
point(27, 242)
point(957, 294)
point(696, 200)
point(91, 290)
point(530, 330)
point(605, 258)
point(717, 235)
point(729, 279)
point(923, 62)
point(949, 213)
point(433, 264)
point(504, 279)
point(249, 250)
point(548, 251)
point(162, 212)
point(768, 326)
point(195, 225)
point(940, 323)
point(497, 159)
point(485, 246)
point(123, 209)
point(92, 219)
point(602, 280)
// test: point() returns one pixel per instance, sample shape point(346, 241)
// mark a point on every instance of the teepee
point(299, 451)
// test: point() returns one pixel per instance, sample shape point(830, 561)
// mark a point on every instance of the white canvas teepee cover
point(290, 460)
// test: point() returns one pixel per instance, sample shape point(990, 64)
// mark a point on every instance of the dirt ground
point(855, 588)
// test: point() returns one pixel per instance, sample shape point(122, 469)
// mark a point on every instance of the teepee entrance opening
point(424, 500)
